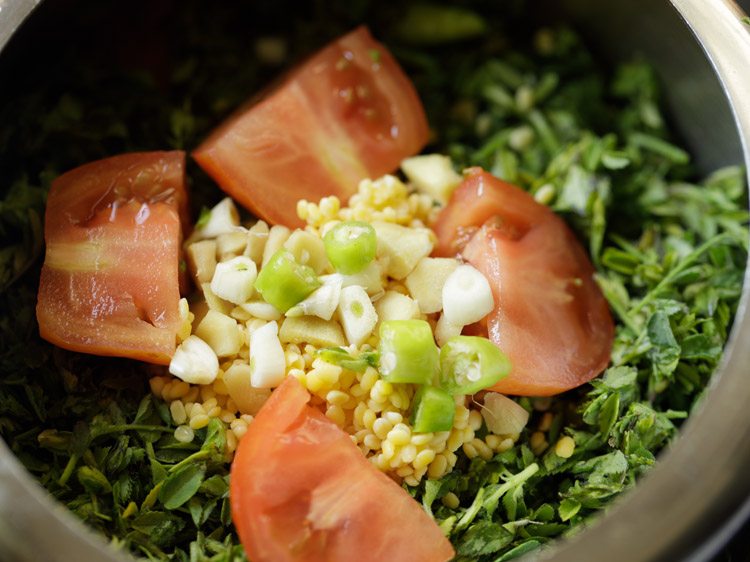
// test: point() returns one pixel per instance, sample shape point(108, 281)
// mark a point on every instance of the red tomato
point(550, 317)
point(301, 491)
point(110, 281)
point(347, 113)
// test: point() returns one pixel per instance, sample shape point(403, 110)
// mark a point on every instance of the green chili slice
point(469, 364)
point(283, 282)
point(408, 352)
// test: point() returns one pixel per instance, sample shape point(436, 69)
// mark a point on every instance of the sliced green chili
point(469, 364)
point(408, 352)
point(433, 410)
point(283, 282)
point(350, 246)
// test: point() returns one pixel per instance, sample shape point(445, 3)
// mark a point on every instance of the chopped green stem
point(499, 96)
point(480, 501)
point(542, 128)
point(471, 512)
point(660, 147)
point(116, 429)
point(68, 471)
point(197, 456)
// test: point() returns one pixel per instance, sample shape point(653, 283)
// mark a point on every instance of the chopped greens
point(670, 254)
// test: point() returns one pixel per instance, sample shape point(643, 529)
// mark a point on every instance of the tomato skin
point(110, 282)
point(550, 316)
point(345, 114)
point(300, 490)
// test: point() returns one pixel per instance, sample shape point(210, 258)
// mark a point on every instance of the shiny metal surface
point(678, 511)
point(12, 14)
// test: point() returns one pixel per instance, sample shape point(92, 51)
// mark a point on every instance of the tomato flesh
point(110, 282)
point(345, 114)
point(550, 317)
point(300, 490)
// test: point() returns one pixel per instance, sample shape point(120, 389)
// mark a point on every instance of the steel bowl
point(698, 495)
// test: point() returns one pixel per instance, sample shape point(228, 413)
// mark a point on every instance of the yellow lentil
point(372, 442)
point(408, 454)
point(475, 420)
point(451, 501)
point(470, 450)
point(538, 442)
point(400, 435)
point(411, 481)
point(337, 398)
point(368, 418)
point(177, 409)
point(492, 441)
point(382, 427)
point(546, 422)
point(482, 449)
point(157, 385)
point(404, 471)
point(369, 378)
point(231, 441)
point(565, 447)
point(438, 467)
point(184, 434)
point(424, 458)
point(336, 415)
point(388, 450)
point(199, 421)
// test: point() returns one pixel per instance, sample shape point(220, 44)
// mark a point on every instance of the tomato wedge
point(550, 316)
point(301, 491)
point(347, 113)
point(110, 280)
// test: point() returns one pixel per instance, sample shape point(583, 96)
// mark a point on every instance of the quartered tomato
point(347, 113)
point(110, 280)
point(550, 317)
point(300, 490)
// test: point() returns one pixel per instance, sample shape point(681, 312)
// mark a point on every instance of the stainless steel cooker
point(699, 493)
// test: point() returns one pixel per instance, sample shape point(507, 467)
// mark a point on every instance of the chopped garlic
point(261, 309)
point(186, 319)
point(396, 306)
point(195, 362)
point(277, 236)
point(323, 301)
point(403, 247)
point(432, 174)
point(233, 279)
point(467, 297)
point(221, 332)
point(425, 283)
point(370, 278)
point(267, 361)
point(444, 330)
point(223, 218)
point(248, 399)
point(357, 314)
point(502, 415)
